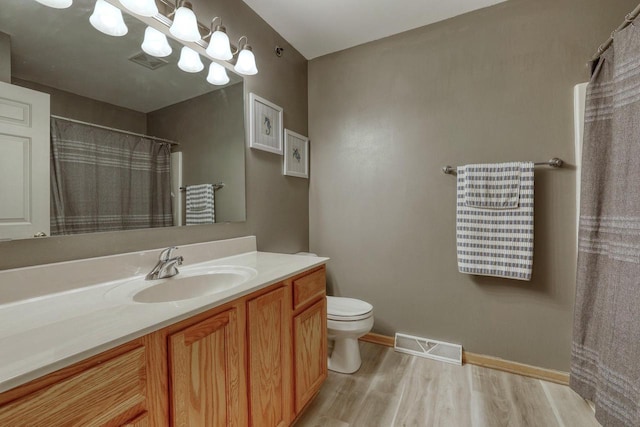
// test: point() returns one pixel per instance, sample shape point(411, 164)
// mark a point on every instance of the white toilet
point(347, 320)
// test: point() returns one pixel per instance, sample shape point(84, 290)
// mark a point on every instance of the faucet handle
point(165, 255)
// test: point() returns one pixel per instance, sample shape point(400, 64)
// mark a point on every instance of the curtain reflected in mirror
point(103, 180)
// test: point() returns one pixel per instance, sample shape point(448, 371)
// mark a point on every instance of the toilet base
point(345, 357)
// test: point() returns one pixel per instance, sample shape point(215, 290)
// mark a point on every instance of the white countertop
point(42, 334)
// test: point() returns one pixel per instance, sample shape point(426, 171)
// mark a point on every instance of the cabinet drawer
point(107, 394)
point(309, 287)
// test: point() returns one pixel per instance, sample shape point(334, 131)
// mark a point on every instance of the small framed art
point(265, 123)
point(296, 154)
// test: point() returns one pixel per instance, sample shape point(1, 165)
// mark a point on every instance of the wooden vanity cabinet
point(310, 352)
point(139, 421)
point(206, 371)
point(269, 343)
point(111, 389)
point(256, 361)
point(309, 336)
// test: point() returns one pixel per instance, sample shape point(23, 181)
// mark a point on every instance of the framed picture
point(296, 154)
point(265, 123)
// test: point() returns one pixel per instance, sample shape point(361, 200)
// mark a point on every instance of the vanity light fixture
point(107, 19)
point(246, 63)
point(190, 61)
point(185, 24)
point(56, 4)
point(217, 74)
point(155, 43)
point(141, 7)
point(219, 47)
point(185, 27)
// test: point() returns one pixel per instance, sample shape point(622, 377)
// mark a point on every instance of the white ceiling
point(319, 27)
point(59, 48)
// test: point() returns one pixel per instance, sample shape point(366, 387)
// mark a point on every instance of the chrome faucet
point(166, 266)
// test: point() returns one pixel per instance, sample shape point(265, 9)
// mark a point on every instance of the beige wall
point(490, 86)
point(5, 58)
point(213, 152)
point(77, 107)
point(277, 206)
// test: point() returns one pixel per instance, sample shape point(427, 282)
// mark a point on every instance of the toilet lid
point(340, 308)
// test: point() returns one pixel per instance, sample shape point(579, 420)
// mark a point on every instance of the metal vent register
point(428, 348)
point(148, 61)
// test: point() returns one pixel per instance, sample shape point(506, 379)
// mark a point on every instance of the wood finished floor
point(395, 389)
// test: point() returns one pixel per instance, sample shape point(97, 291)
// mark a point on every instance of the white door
point(24, 162)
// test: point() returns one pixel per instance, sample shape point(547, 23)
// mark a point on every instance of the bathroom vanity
point(252, 354)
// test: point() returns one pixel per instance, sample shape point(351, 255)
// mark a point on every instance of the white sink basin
point(189, 283)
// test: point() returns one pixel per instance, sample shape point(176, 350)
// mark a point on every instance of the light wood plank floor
point(395, 389)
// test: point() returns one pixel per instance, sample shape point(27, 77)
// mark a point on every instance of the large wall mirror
point(113, 108)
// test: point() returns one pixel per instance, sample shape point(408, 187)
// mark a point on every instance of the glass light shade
point(185, 25)
point(217, 74)
point(107, 19)
point(219, 47)
point(246, 62)
point(190, 61)
point(141, 7)
point(57, 4)
point(155, 43)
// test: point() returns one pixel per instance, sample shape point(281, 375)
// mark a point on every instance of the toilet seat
point(348, 309)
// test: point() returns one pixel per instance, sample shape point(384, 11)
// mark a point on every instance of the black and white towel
point(494, 219)
point(200, 204)
point(492, 186)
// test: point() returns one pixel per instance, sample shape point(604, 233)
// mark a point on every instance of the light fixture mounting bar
point(161, 23)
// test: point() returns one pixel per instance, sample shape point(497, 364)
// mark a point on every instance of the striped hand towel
point(492, 186)
point(495, 241)
point(200, 204)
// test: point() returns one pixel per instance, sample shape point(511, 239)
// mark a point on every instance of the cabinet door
point(270, 359)
point(205, 363)
point(310, 352)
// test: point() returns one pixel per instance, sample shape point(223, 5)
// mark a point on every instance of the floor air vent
point(428, 348)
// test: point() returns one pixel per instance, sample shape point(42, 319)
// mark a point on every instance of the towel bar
point(216, 187)
point(554, 163)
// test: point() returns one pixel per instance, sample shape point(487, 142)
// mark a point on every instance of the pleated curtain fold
point(605, 356)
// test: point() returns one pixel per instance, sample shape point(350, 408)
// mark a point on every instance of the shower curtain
point(103, 180)
point(605, 356)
